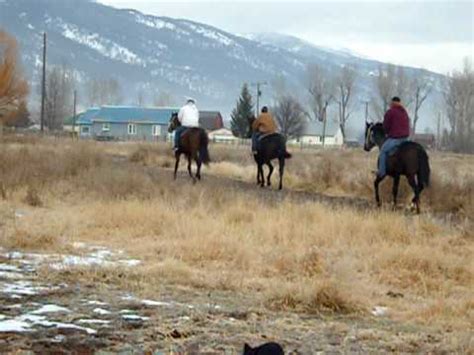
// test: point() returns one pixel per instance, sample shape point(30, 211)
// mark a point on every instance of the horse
point(410, 159)
point(193, 143)
point(271, 147)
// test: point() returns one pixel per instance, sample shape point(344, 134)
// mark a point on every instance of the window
point(132, 129)
point(105, 127)
point(156, 130)
point(85, 130)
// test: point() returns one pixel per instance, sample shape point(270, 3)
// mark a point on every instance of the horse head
point(374, 135)
point(173, 122)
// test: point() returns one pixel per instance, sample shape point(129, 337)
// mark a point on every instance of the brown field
point(303, 266)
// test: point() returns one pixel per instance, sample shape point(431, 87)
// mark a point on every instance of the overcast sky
point(432, 34)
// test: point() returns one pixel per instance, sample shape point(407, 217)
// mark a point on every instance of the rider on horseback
point(396, 125)
point(189, 117)
point(263, 125)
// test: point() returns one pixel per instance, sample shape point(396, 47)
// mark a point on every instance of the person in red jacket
point(396, 125)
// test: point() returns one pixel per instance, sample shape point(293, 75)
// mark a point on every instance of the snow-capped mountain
point(178, 56)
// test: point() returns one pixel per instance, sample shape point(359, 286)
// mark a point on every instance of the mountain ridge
point(183, 57)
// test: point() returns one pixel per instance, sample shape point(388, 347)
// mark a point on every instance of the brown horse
point(193, 144)
point(271, 147)
point(410, 159)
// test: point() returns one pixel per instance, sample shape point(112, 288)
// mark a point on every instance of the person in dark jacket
point(396, 125)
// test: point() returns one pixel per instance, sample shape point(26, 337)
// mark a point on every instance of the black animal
point(271, 147)
point(265, 349)
point(410, 160)
point(193, 143)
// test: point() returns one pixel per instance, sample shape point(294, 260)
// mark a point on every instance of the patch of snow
point(134, 317)
point(24, 288)
point(156, 303)
point(379, 311)
point(31, 27)
point(43, 322)
point(104, 46)
point(8, 267)
point(211, 34)
point(13, 325)
point(101, 311)
point(2, 316)
point(51, 308)
point(93, 321)
point(11, 275)
point(126, 311)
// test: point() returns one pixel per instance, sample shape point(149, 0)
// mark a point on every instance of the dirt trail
point(266, 193)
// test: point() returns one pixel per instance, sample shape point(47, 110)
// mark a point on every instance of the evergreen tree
point(241, 113)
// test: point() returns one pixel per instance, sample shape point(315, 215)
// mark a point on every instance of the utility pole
point(259, 84)
point(74, 115)
point(366, 111)
point(43, 84)
point(324, 125)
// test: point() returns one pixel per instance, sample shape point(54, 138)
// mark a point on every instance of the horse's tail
point(424, 170)
point(203, 150)
point(286, 154)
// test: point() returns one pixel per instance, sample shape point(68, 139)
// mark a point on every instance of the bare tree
point(321, 89)
point(104, 92)
point(13, 86)
point(141, 97)
point(290, 115)
point(59, 93)
point(391, 81)
point(163, 99)
point(421, 88)
point(459, 98)
point(346, 81)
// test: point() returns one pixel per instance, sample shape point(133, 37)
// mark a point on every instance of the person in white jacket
point(188, 115)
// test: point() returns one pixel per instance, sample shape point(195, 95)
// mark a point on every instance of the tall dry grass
point(289, 255)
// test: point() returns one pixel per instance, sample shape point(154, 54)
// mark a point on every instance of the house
point(315, 130)
point(222, 135)
point(134, 123)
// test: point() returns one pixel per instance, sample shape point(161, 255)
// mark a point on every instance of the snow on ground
point(29, 305)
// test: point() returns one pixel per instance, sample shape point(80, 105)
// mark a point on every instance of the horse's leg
point(261, 178)
point(199, 164)
point(396, 183)
point(189, 168)
point(414, 186)
point(281, 163)
point(176, 165)
point(377, 181)
point(269, 177)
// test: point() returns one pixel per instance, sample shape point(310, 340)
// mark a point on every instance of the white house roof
point(315, 128)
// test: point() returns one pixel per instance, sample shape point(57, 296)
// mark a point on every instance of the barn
point(135, 123)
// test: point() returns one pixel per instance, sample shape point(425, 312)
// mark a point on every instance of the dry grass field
point(281, 254)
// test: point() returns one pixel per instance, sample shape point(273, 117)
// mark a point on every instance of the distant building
point(222, 135)
point(135, 123)
point(314, 132)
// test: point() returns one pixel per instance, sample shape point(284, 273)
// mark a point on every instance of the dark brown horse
point(193, 143)
point(271, 147)
point(410, 159)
